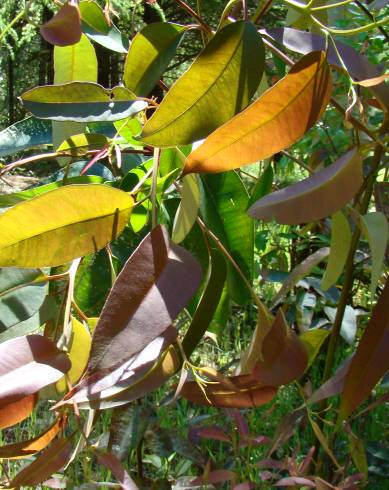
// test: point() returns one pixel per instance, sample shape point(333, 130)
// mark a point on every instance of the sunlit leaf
point(340, 245)
point(27, 448)
point(85, 217)
point(315, 197)
point(280, 117)
point(150, 54)
point(371, 360)
point(47, 463)
point(219, 84)
point(80, 144)
point(376, 230)
point(81, 102)
point(313, 340)
point(188, 209)
point(12, 413)
point(65, 27)
point(348, 328)
point(24, 134)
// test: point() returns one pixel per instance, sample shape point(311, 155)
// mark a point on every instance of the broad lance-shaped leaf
point(150, 54)
point(220, 83)
point(84, 217)
point(188, 209)
point(358, 65)
point(29, 364)
point(155, 284)
point(48, 462)
point(376, 230)
point(80, 144)
point(25, 449)
point(24, 134)
point(19, 298)
point(64, 28)
point(81, 102)
point(115, 466)
point(340, 245)
point(315, 197)
point(279, 118)
point(95, 26)
point(12, 413)
point(223, 207)
point(371, 360)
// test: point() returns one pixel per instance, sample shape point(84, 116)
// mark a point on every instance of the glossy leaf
point(188, 209)
point(64, 28)
point(280, 117)
point(246, 393)
point(370, 361)
point(348, 328)
point(85, 217)
point(155, 284)
point(24, 134)
point(78, 351)
point(81, 102)
point(223, 207)
point(208, 303)
point(315, 197)
point(340, 245)
point(357, 64)
point(27, 448)
point(19, 298)
point(80, 144)
point(29, 364)
point(150, 54)
point(47, 463)
point(376, 230)
point(221, 82)
point(12, 413)
point(114, 465)
point(95, 26)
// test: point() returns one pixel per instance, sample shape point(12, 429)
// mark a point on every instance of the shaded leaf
point(188, 209)
point(370, 361)
point(323, 441)
point(333, 386)
point(313, 340)
point(358, 454)
point(81, 102)
point(150, 54)
point(95, 26)
point(315, 197)
point(215, 476)
point(340, 245)
point(24, 134)
point(376, 230)
point(47, 463)
point(220, 82)
point(292, 481)
point(29, 364)
point(280, 117)
point(155, 284)
point(27, 448)
point(85, 217)
point(112, 463)
point(263, 185)
point(223, 207)
point(64, 28)
point(12, 413)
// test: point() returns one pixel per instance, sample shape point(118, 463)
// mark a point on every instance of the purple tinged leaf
point(64, 29)
point(112, 463)
point(213, 432)
point(332, 386)
point(245, 486)
point(292, 481)
point(216, 476)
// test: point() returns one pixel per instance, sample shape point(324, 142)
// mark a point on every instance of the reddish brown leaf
point(47, 463)
point(64, 28)
point(112, 463)
point(292, 481)
point(155, 284)
point(216, 476)
point(27, 364)
point(16, 411)
point(32, 446)
point(371, 360)
point(213, 432)
point(332, 386)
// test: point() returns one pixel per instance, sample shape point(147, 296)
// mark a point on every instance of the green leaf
point(340, 245)
point(150, 54)
point(129, 128)
point(315, 197)
point(23, 135)
point(223, 208)
point(371, 360)
point(84, 217)
point(78, 352)
point(263, 185)
point(95, 26)
point(220, 83)
point(269, 125)
point(80, 144)
point(188, 209)
point(81, 102)
point(376, 230)
point(313, 340)
point(20, 298)
point(7, 200)
point(208, 303)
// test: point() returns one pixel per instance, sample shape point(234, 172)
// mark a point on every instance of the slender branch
point(261, 11)
point(26, 161)
point(298, 161)
point(371, 17)
point(330, 6)
point(351, 32)
point(245, 10)
point(146, 176)
point(195, 15)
